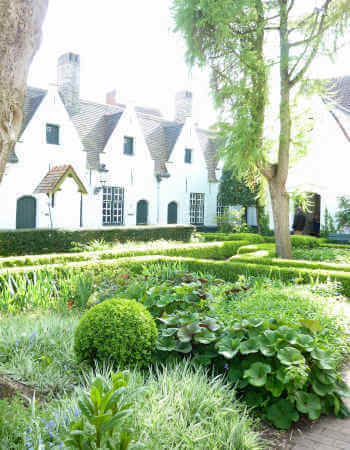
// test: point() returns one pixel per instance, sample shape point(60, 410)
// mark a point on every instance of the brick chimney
point(68, 80)
point(183, 106)
point(111, 97)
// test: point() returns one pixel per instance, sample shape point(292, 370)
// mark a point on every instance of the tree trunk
point(277, 183)
point(20, 37)
point(280, 209)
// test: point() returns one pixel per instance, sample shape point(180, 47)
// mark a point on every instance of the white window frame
point(197, 201)
point(113, 205)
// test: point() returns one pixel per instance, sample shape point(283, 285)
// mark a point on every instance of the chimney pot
point(183, 106)
point(111, 97)
point(68, 80)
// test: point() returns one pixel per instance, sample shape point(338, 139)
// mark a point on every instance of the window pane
point(113, 205)
point(128, 145)
point(52, 134)
point(197, 208)
point(188, 155)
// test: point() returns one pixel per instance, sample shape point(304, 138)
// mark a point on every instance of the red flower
point(70, 304)
point(125, 276)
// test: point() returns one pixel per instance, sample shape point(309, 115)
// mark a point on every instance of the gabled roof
point(340, 92)
point(32, 101)
point(54, 179)
point(209, 145)
point(95, 123)
point(339, 98)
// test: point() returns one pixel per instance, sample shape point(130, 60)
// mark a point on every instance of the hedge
point(228, 271)
point(38, 241)
point(268, 260)
point(216, 251)
point(220, 237)
point(297, 241)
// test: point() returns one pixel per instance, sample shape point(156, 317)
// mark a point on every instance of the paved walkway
point(329, 433)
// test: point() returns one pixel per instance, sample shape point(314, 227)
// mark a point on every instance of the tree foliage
point(234, 191)
point(242, 43)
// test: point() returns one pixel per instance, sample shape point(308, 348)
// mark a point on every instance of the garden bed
point(248, 295)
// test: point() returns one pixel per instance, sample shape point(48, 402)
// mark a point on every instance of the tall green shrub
point(119, 330)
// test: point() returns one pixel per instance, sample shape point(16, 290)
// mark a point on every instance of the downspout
point(49, 206)
point(81, 209)
point(159, 179)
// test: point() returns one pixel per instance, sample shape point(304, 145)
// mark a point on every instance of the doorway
point(172, 213)
point(142, 212)
point(26, 212)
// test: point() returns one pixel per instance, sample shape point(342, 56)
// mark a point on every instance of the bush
point(281, 371)
point(304, 241)
point(119, 330)
point(22, 242)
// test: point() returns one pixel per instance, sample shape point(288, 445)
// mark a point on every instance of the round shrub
point(119, 330)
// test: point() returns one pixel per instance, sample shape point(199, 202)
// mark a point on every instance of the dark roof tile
point(53, 178)
point(96, 122)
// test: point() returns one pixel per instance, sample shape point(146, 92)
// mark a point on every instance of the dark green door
point(142, 213)
point(172, 213)
point(26, 212)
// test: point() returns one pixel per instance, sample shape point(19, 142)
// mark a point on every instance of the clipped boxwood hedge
point(229, 271)
point(220, 237)
point(38, 241)
point(215, 250)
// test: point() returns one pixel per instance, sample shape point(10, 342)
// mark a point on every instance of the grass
point(324, 254)
point(180, 409)
point(38, 350)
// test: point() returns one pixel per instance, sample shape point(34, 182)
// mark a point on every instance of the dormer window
point(128, 145)
point(52, 134)
point(188, 155)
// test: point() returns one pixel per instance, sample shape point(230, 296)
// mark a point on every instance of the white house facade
point(324, 171)
point(82, 164)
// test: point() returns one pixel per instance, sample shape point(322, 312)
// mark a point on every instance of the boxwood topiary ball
point(119, 330)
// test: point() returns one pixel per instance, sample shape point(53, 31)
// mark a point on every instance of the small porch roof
point(54, 178)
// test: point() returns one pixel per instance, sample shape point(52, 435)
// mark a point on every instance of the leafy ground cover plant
point(283, 372)
point(325, 254)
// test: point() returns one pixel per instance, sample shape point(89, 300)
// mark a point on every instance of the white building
point(83, 164)
point(324, 171)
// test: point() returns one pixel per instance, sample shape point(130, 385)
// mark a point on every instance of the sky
point(130, 46)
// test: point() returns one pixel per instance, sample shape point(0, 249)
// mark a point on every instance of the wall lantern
point(102, 179)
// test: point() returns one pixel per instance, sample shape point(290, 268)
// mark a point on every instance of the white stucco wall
point(36, 158)
point(134, 173)
point(188, 178)
point(324, 169)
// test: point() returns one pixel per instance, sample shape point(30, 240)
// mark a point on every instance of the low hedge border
point(24, 242)
point(221, 237)
point(256, 258)
point(229, 271)
point(217, 250)
point(252, 254)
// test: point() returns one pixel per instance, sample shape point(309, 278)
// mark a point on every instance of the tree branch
point(313, 53)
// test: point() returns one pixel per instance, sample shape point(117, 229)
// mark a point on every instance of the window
point(197, 208)
point(128, 145)
point(221, 209)
point(188, 155)
point(113, 205)
point(52, 134)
